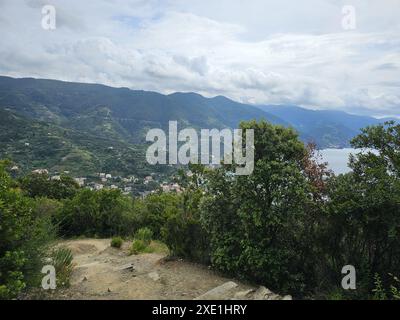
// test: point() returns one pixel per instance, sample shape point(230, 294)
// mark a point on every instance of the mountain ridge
point(125, 114)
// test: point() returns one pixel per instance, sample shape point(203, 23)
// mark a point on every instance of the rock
point(108, 290)
point(243, 294)
point(84, 279)
point(154, 276)
point(262, 293)
point(288, 297)
point(273, 297)
point(127, 267)
point(219, 293)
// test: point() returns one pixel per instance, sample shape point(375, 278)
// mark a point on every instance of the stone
point(243, 294)
point(154, 276)
point(262, 293)
point(127, 267)
point(221, 292)
point(288, 297)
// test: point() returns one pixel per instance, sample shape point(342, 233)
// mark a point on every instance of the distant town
point(128, 185)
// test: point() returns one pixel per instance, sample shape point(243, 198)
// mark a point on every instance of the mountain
point(35, 144)
point(87, 128)
point(327, 128)
point(120, 113)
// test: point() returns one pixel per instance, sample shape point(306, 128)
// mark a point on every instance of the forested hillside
point(290, 226)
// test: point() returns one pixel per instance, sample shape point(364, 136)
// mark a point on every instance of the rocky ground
point(103, 272)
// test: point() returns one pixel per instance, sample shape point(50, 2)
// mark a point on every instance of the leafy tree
point(40, 185)
point(23, 237)
point(182, 231)
point(104, 213)
point(257, 223)
point(363, 225)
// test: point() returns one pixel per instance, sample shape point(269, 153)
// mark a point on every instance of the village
point(129, 185)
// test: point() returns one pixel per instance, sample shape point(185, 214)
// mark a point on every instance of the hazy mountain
point(328, 128)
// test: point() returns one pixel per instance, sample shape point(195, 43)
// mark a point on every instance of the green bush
point(24, 236)
point(62, 260)
point(182, 231)
point(117, 242)
point(103, 213)
point(145, 235)
point(152, 211)
point(186, 238)
point(258, 224)
point(138, 246)
point(40, 185)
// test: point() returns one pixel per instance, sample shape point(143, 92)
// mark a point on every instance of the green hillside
point(35, 144)
point(88, 128)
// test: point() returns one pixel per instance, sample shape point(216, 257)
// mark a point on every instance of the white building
point(41, 171)
point(80, 181)
point(98, 187)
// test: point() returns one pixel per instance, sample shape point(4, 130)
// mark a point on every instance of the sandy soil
point(102, 272)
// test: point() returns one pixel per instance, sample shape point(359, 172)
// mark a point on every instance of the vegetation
point(62, 261)
point(40, 185)
point(95, 214)
point(85, 128)
point(291, 225)
point(116, 242)
point(24, 235)
point(34, 144)
point(145, 235)
point(142, 241)
point(138, 246)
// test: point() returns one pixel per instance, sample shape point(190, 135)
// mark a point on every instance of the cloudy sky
point(254, 51)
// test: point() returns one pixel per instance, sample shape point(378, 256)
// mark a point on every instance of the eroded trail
point(103, 272)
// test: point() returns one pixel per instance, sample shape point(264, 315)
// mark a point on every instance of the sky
point(310, 53)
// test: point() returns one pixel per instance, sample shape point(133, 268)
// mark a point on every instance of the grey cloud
point(387, 66)
point(235, 51)
point(197, 64)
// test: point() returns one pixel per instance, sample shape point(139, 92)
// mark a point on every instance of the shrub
point(182, 231)
point(62, 260)
point(103, 213)
point(138, 246)
point(40, 185)
point(24, 236)
point(116, 242)
point(186, 238)
point(145, 235)
point(152, 211)
point(258, 224)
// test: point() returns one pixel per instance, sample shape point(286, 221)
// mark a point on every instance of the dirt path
point(102, 272)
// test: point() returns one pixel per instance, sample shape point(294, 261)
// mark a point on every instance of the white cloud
point(254, 51)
